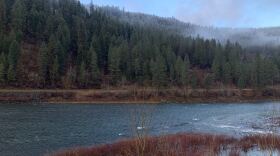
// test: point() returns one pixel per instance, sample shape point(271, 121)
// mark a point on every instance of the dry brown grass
point(139, 95)
point(181, 144)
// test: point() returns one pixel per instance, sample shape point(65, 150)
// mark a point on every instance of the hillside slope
point(247, 37)
point(63, 44)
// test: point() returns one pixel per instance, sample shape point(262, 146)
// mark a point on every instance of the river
point(29, 129)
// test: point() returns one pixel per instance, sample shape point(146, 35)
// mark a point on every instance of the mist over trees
point(247, 37)
point(63, 44)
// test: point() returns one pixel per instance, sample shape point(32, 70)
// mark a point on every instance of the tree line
point(83, 47)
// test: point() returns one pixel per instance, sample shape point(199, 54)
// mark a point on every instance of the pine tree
point(185, 71)
point(2, 69)
point(227, 73)
point(258, 72)
point(60, 52)
point(181, 71)
point(19, 16)
point(11, 74)
point(271, 73)
point(159, 72)
point(63, 35)
point(95, 76)
point(70, 78)
point(242, 79)
point(54, 72)
point(33, 20)
point(218, 63)
point(124, 55)
point(52, 43)
point(12, 37)
point(114, 65)
point(96, 44)
point(43, 61)
point(138, 63)
point(171, 63)
point(13, 56)
point(81, 39)
point(2, 15)
point(82, 77)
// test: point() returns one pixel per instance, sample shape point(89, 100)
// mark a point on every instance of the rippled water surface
point(36, 129)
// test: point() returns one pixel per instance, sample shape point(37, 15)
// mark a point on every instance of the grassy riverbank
point(139, 95)
point(184, 144)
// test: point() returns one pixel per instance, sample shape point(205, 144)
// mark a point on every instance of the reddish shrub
point(179, 144)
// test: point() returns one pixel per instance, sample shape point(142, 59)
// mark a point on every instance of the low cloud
point(232, 13)
point(211, 12)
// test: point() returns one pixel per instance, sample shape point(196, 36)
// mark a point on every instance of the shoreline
point(140, 96)
point(182, 144)
point(159, 102)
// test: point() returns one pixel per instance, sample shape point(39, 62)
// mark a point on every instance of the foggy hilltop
point(247, 37)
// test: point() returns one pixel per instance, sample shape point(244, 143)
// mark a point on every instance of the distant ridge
point(247, 37)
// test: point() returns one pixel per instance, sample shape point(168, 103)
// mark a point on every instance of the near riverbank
point(184, 144)
point(140, 95)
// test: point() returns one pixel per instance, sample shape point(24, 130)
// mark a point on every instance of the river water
point(29, 129)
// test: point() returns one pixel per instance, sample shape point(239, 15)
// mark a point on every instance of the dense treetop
point(61, 43)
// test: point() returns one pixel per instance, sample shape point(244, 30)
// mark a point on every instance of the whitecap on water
point(253, 131)
point(195, 119)
point(140, 128)
point(228, 126)
point(166, 127)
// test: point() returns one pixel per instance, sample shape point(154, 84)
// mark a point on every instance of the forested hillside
point(247, 37)
point(63, 44)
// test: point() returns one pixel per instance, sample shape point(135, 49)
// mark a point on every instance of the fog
point(247, 37)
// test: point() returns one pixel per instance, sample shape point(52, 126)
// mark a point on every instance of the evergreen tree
point(82, 77)
point(242, 77)
point(54, 72)
point(52, 44)
point(171, 62)
point(227, 73)
point(2, 69)
point(19, 16)
point(63, 35)
point(119, 50)
point(185, 71)
point(159, 72)
point(11, 74)
point(218, 64)
point(95, 76)
point(13, 56)
point(125, 61)
point(81, 39)
point(138, 63)
point(114, 65)
point(2, 15)
point(258, 72)
point(271, 73)
point(33, 19)
point(70, 78)
point(181, 71)
point(60, 52)
point(43, 61)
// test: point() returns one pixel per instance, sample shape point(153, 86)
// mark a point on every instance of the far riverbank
point(140, 95)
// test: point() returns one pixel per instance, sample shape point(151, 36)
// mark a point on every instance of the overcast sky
point(220, 13)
